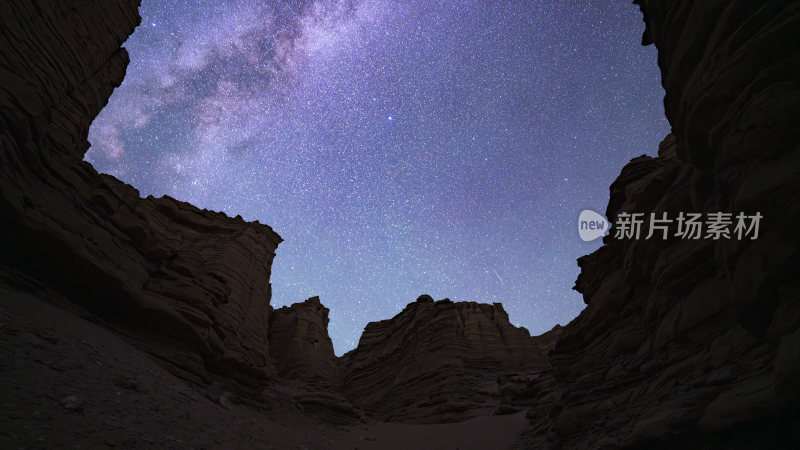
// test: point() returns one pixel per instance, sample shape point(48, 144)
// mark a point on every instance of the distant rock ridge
point(437, 361)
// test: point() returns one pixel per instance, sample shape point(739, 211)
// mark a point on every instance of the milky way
point(399, 147)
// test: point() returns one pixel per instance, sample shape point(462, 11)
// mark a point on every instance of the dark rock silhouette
point(196, 281)
point(690, 343)
point(437, 361)
point(695, 342)
point(299, 341)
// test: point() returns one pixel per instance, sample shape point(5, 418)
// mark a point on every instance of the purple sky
point(399, 147)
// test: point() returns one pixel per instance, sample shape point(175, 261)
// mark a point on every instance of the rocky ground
point(70, 382)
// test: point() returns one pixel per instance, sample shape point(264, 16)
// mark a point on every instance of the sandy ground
point(68, 382)
point(475, 434)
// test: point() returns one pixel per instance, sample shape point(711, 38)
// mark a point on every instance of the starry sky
point(399, 147)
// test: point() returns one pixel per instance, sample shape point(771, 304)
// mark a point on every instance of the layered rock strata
point(191, 285)
point(694, 342)
point(437, 361)
point(299, 341)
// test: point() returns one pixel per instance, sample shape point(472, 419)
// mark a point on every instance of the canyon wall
point(437, 361)
point(696, 342)
point(190, 285)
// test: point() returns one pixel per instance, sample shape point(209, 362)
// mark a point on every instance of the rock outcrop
point(299, 341)
point(190, 285)
point(437, 361)
point(695, 342)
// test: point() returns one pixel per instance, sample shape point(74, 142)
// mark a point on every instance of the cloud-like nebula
point(227, 64)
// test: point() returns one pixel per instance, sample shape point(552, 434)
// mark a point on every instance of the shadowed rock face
point(190, 284)
point(437, 361)
point(299, 341)
point(695, 342)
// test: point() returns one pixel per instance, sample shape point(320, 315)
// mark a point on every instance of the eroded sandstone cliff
point(437, 361)
point(191, 285)
point(299, 341)
point(695, 342)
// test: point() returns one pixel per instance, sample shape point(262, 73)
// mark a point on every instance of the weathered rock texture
point(299, 341)
point(696, 342)
point(437, 361)
point(191, 284)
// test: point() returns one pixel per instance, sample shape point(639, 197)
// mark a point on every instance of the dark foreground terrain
point(145, 323)
point(72, 383)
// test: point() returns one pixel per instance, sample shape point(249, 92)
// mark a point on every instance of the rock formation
point(191, 285)
point(437, 361)
point(299, 341)
point(695, 342)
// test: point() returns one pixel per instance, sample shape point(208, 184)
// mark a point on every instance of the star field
point(399, 147)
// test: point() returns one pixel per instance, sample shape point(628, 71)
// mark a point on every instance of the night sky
point(399, 147)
